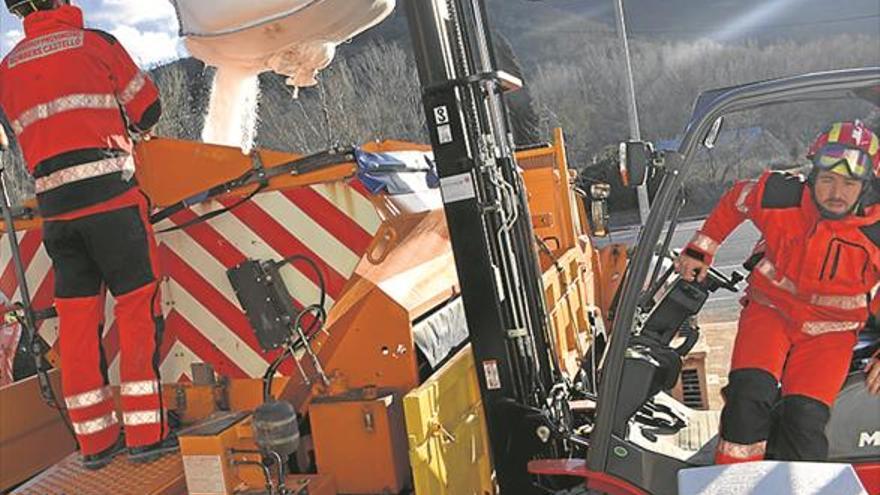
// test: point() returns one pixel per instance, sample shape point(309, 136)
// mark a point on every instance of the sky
point(147, 28)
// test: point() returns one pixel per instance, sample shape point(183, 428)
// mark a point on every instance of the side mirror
point(634, 158)
point(598, 215)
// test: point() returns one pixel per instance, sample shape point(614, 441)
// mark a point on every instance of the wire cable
point(322, 286)
point(299, 336)
point(46, 390)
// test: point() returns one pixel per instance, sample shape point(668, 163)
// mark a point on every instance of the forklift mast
point(489, 225)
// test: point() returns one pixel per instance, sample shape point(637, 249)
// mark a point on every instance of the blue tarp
point(397, 172)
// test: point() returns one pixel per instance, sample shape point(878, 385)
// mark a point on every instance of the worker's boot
point(149, 453)
point(104, 457)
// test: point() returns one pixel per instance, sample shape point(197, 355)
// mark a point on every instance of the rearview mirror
point(593, 207)
point(635, 157)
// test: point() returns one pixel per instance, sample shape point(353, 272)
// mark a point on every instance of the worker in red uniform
point(74, 98)
point(815, 272)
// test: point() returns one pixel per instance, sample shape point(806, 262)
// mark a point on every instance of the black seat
point(867, 344)
point(649, 367)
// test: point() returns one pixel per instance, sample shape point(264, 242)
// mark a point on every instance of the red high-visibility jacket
point(72, 95)
point(819, 272)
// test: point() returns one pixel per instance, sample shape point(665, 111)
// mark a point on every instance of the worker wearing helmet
point(814, 274)
point(74, 98)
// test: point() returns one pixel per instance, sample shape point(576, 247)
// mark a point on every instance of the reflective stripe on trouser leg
point(746, 419)
point(88, 400)
point(139, 381)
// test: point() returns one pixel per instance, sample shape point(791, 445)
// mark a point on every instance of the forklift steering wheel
point(718, 280)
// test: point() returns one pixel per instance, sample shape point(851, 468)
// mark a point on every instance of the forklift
point(532, 427)
point(550, 433)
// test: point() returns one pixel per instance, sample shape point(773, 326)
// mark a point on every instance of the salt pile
point(296, 38)
point(233, 109)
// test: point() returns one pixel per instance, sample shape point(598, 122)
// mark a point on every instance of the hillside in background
point(568, 54)
point(682, 20)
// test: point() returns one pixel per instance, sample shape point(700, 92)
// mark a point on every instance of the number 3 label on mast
point(444, 128)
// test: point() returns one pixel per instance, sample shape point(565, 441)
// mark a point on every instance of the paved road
point(722, 305)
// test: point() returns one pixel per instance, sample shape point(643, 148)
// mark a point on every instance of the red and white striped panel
point(38, 272)
point(331, 223)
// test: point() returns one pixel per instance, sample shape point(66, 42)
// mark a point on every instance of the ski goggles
point(16, 8)
point(844, 160)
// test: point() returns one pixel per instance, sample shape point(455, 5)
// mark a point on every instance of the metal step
point(693, 443)
point(121, 477)
point(702, 426)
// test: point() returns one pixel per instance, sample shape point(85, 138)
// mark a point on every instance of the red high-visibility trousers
point(115, 248)
point(777, 367)
point(83, 378)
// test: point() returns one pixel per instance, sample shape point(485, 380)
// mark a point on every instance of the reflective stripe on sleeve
point(133, 87)
point(766, 268)
point(741, 205)
point(704, 243)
